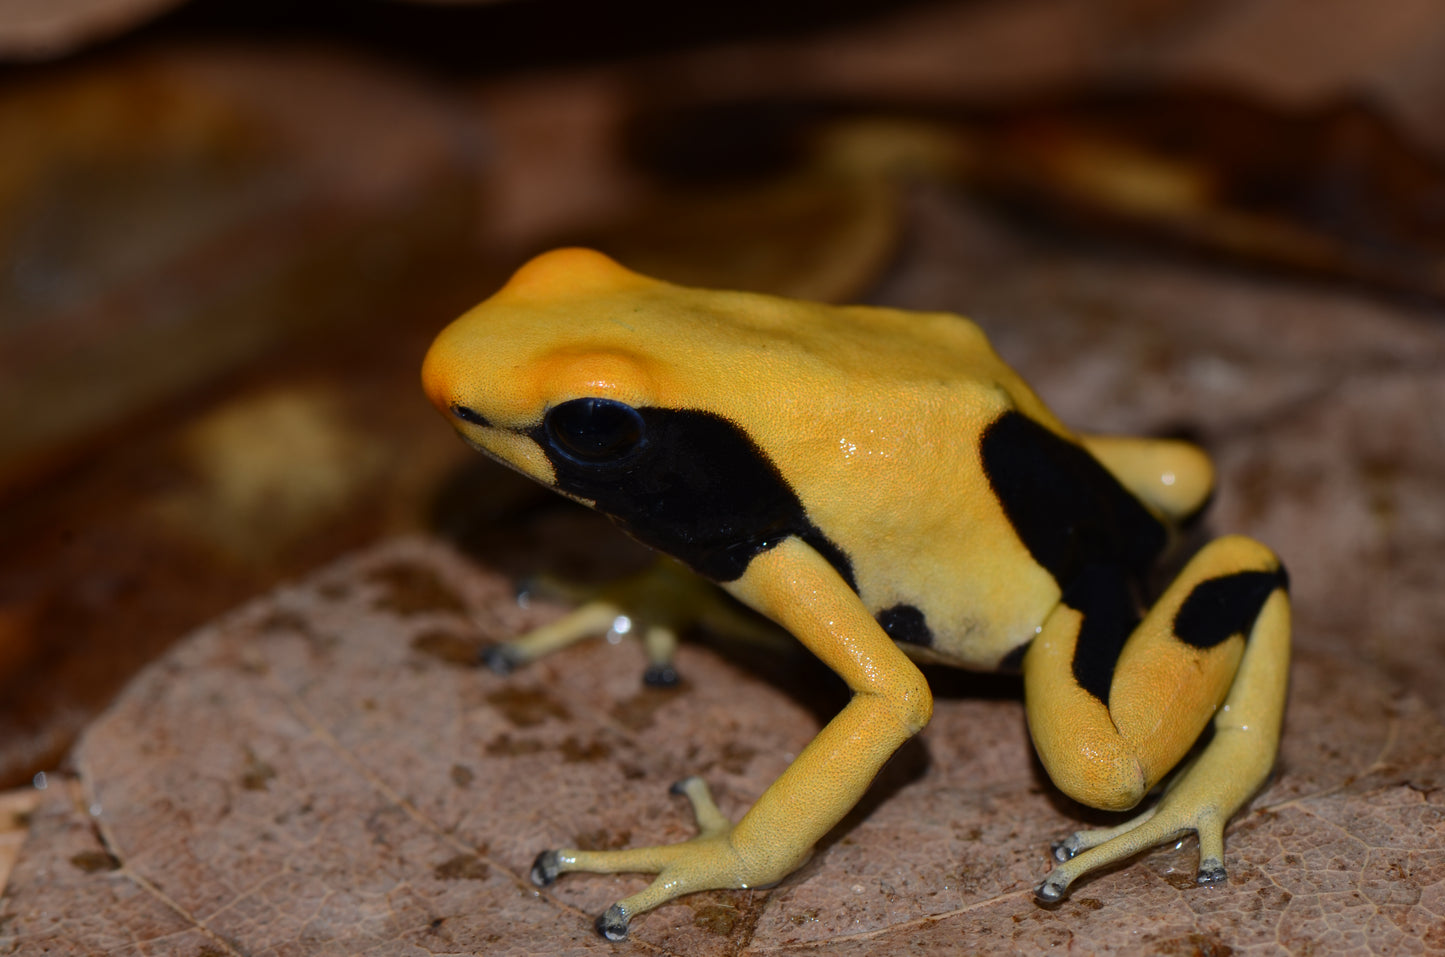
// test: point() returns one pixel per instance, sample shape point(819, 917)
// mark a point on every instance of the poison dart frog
point(881, 485)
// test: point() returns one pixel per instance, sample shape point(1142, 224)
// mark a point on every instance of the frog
point(880, 484)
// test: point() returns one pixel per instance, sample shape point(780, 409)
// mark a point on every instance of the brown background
point(228, 232)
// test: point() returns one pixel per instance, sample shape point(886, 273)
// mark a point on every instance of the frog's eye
point(595, 431)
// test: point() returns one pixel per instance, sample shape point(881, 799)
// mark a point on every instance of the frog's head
point(632, 395)
point(550, 365)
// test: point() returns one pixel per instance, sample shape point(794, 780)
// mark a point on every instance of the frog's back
point(876, 421)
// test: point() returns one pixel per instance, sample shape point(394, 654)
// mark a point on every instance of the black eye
point(595, 431)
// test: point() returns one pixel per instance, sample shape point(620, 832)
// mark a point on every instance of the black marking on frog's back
point(1219, 608)
point(1083, 527)
point(1067, 509)
point(701, 490)
point(906, 624)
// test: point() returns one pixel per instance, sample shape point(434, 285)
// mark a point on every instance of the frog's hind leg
point(1112, 707)
point(1174, 477)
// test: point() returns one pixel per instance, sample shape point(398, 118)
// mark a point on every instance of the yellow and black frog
point(881, 485)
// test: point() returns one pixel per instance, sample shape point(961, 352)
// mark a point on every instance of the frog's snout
point(437, 379)
point(472, 416)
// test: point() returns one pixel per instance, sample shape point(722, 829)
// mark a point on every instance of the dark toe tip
point(613, 923)
point(1211, 872)
point(1050, 891)
point(661, 676)
point(680, 787)
point(545, 868)
point(499, 660)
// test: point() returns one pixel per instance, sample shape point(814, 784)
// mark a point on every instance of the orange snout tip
point(436, 379)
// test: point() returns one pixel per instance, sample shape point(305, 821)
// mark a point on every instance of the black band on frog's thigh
point(700, 489)
point(1110, 610)
point(1220, 608)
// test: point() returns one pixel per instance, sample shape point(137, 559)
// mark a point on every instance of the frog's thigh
point(1218, 636)
point(1174, 476)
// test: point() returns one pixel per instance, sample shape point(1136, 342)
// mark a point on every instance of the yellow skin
point(883, 487)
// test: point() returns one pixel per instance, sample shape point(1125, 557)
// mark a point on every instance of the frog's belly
point(979, 650)
point(971, 621)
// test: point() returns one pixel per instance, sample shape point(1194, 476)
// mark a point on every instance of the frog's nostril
point(469, 415)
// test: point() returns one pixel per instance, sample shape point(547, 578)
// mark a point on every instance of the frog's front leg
point(795, 586)
point(1112, 710)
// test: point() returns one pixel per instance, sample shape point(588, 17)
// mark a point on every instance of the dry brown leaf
point(226, 265)
point(312, 775)
point(316, 774)
point(173, 215)
point(15, 808)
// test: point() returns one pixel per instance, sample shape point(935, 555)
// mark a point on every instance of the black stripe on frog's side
point(1067, 509)
point(1083, 527)
point(1217, 609)
point(906, 624)
point(698, 488)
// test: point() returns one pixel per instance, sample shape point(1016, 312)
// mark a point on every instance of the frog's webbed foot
point(660, 675)
point(1178, 813)
point(599, 616)
point(653, 606)
point(705, 862)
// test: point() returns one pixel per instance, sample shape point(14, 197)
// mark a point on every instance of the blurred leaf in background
point(228, 230)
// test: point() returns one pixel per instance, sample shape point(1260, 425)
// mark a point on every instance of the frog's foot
point(654, 606)
point(593, 618)
point(662, 675)
point(1213, 650)
point(1088, 850)
point(706, 862)
point(502, 659)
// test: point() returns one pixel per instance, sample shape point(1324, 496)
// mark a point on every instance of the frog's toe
point(524, 591)
point(612, 923)
point(1053, 889)
point(546, 868)
point(502, 659)
point(1211, 872)
point(1066, 849)
point(661, 676)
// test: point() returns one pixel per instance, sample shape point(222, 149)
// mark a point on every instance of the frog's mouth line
point(511, 466)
